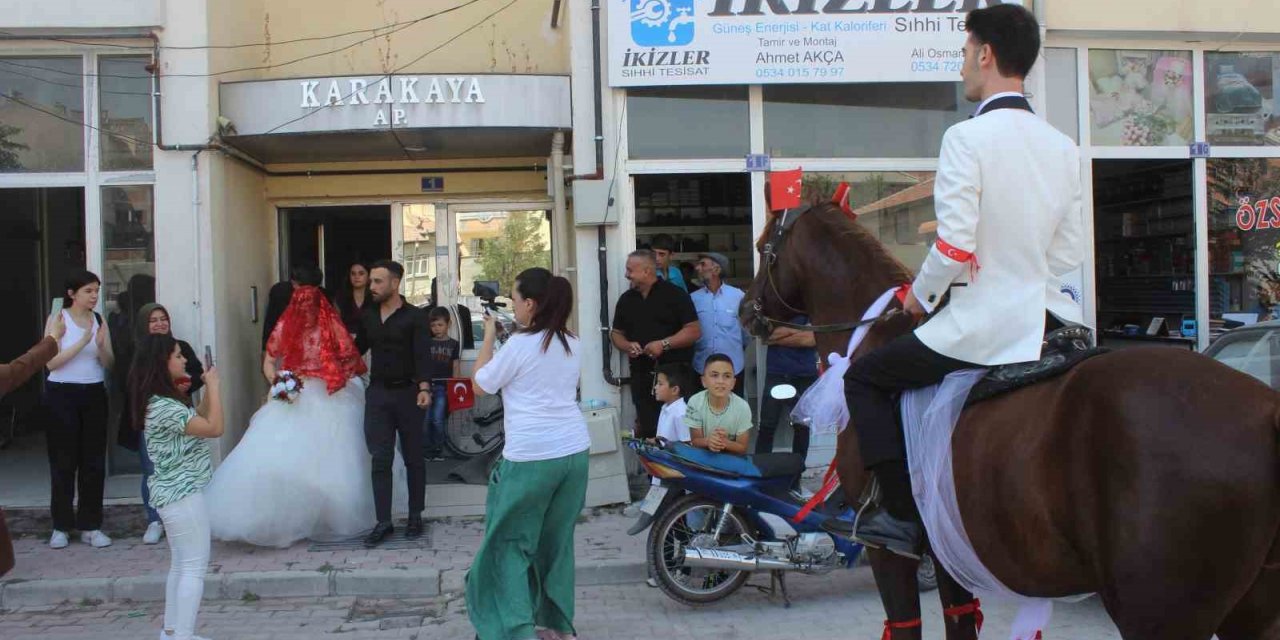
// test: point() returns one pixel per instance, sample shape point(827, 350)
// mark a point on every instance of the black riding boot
point(894, 523)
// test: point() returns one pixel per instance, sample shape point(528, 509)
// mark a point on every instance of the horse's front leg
point(899, 593)
point(962, 616)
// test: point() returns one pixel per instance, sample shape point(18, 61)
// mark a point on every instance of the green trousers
point(523, 574)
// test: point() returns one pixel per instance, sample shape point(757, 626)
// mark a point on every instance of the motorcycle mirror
point(782, 392)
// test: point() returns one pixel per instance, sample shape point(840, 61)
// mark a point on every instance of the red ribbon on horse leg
point(890, 626)
point(974, 608)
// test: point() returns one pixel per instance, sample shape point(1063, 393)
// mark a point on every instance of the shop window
point(1240, 98)
point(41, 114)
point(1062, 94)
point(875, 120)
point(124, 104)
point(688, 122)
point(1144, 239)
point(1140, 98)
point(700, 212)
point(1244, 241)
point(128, 245)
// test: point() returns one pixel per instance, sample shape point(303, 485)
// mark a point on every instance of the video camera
point(487, 291)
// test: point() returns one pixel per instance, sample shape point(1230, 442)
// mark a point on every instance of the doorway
point(332, 238)
point(42, 240)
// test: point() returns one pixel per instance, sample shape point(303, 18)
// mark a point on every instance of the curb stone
point(283, 584)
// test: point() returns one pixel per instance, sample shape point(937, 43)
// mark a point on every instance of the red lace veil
point(311, 340)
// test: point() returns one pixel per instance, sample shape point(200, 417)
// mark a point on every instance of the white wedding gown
point(301, 471)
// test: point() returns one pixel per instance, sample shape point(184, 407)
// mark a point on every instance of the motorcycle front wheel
point(691, 522)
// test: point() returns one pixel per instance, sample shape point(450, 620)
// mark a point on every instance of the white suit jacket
point(1007, 191)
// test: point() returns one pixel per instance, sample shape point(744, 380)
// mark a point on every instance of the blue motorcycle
point(717, 518)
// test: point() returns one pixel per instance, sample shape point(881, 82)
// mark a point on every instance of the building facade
point(197, 149)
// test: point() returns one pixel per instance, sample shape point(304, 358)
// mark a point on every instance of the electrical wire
point(86, 125)
point(330, 103)
point(327, 105)
point(382, 34)
point(74, 86)
point(91, 41)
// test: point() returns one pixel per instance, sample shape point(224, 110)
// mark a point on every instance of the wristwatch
point(666, 344)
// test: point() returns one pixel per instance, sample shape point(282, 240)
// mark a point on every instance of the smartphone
point(208, 357)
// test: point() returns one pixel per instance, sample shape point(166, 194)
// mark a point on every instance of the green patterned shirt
point(183, 464)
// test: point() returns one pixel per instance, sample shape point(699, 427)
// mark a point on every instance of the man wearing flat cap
point(717, 306)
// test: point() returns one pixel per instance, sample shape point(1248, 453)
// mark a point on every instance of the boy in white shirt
point(669, 389)
point(672, 381)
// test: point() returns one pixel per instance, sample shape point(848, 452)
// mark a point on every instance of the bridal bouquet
point(285, 386)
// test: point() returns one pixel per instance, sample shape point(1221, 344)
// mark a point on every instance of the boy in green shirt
point(719, 420)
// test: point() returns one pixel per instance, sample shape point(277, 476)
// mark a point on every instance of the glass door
point(490, 244)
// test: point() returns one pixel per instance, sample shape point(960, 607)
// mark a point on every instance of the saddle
point(1063, 348)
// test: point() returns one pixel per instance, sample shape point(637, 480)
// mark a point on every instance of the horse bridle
point(770, 254)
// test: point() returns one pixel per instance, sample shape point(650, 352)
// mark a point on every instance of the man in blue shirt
point(663, 246)
point(717, 305)
point(792, 359)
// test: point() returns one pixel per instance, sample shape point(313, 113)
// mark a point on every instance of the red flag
point(784, 189)
point(460, 394)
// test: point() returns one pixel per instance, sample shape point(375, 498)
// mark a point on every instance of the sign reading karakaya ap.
point(683, 42)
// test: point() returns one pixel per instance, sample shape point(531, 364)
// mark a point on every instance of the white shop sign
point(683, 42)
point(398, 101)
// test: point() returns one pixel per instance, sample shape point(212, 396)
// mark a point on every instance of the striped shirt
point(183, 465)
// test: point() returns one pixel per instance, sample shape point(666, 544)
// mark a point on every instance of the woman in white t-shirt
point(77, 400)
point(521, 582)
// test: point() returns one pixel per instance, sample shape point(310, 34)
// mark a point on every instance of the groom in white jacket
point(1007, 195)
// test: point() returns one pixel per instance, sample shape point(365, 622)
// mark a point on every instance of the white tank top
point(85, 367)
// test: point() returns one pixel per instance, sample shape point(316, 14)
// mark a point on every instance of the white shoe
point(96, 538)
point(58, 540)
point(155, 531)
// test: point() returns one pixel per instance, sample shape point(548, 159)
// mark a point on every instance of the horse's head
point(777, 292)
point(818, 262)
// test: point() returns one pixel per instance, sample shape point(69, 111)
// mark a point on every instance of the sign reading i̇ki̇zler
point(683, 42)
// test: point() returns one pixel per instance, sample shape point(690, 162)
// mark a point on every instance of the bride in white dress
point(302, 469)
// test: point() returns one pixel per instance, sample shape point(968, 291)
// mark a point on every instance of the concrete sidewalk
point(131, 571)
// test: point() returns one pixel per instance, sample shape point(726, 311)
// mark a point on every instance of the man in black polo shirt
point(399, 389)
point(654, 323)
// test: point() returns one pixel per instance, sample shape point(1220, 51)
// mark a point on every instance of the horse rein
point(771, 253)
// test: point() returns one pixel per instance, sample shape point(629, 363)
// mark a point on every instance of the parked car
point(1253, 349)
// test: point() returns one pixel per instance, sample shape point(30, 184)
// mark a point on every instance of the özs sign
point(1264, 214)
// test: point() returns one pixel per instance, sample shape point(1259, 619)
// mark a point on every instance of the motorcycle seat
point(765, 465)
point(775, 465)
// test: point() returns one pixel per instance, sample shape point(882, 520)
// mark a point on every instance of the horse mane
point(852, 242)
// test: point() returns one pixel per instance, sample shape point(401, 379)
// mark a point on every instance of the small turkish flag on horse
point(784, 189)
point(460, 394)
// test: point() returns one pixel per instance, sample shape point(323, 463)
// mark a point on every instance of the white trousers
point(186, 525)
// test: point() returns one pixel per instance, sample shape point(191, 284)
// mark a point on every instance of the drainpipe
point(1037, 9)
point(556, 177)
point(601, 244)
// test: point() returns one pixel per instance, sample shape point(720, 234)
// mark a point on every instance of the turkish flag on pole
point(784, 189)
point(460, 394)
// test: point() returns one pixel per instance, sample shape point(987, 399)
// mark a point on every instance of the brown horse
point(1148, 476)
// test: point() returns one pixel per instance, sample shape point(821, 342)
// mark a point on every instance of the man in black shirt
point(399, 389)
point(654, 323)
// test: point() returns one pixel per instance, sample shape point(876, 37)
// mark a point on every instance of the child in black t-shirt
point(444, 365)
